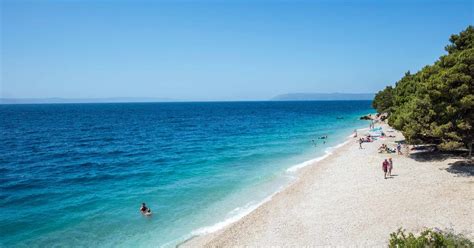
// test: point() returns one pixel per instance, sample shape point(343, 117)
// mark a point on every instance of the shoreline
point(285, 217)
point(295, 170)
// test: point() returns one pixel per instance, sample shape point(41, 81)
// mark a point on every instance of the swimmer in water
point(145, 210)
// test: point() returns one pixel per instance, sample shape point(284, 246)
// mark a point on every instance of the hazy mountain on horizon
point(323, 96)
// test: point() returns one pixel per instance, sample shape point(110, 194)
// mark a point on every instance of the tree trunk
point(470, 151)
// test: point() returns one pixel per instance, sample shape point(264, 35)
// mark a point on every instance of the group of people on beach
point(385, 148)
point(362, 140)
point(387, 164)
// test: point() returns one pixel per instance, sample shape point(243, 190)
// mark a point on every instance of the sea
point(75, 175)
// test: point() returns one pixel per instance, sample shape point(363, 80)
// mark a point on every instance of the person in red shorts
point(385, 168)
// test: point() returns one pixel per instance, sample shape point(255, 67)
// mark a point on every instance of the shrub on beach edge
point(428, 238)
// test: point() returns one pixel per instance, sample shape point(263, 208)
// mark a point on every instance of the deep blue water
point(75, 174)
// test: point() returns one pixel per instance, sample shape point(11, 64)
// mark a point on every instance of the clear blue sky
point(218, 50)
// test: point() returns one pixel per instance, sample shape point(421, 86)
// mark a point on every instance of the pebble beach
point(344, 200)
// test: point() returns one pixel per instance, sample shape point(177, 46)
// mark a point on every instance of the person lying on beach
point(385, 148)
point(390, 150)
point(382, 148)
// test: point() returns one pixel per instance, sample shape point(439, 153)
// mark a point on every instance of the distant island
point(323, 96)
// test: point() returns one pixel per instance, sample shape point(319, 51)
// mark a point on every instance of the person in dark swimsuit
point(144, 209)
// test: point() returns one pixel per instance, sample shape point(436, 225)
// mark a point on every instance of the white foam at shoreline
point(339, 146)
point(327, 152)
point(306, 163)
point(246, 210)
point(359, 131)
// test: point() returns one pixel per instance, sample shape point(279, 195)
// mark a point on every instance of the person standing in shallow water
point(385, 165)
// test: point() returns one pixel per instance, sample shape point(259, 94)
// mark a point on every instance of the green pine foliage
point(383, 100)
point(428, 238)
point(435, 105)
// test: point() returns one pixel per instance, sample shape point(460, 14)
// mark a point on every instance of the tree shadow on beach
point(435, 155)
point(464, 168)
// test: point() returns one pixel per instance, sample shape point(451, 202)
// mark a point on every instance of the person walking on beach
point(360, 143)
point(390, 167)
point(385, 167)
point(399, 149)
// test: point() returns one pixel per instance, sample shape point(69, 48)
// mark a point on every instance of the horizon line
point(282, 97)
point(184, 101)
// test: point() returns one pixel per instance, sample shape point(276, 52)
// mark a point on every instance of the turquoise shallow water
point(75, 174)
